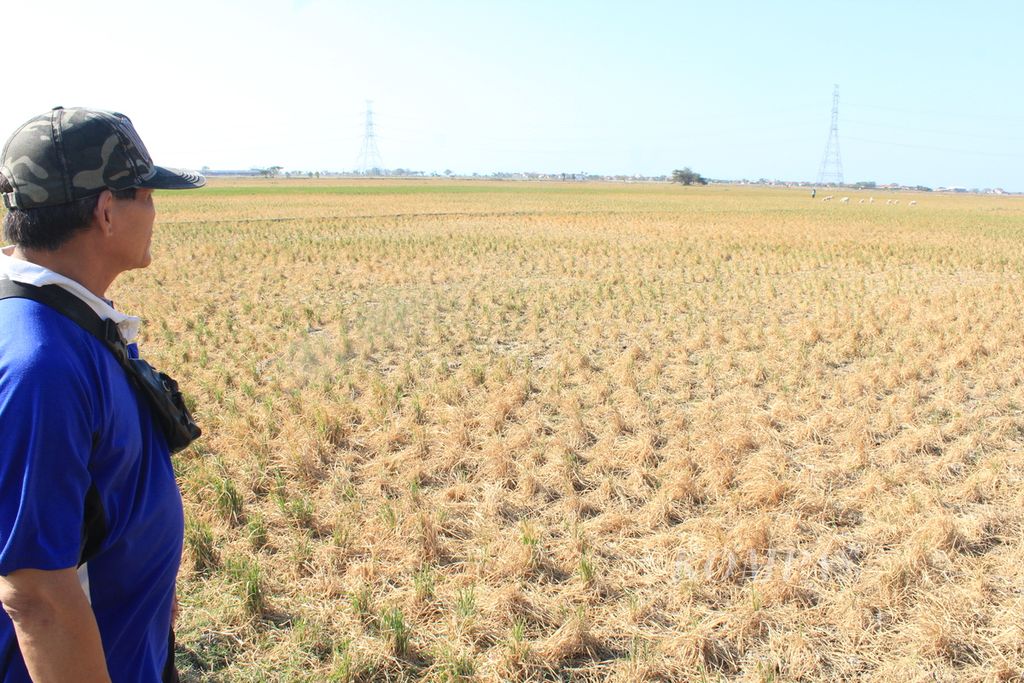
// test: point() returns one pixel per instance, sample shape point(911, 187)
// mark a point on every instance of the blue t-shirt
point(75, 436)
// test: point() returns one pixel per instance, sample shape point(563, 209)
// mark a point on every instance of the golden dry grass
point(488, 431)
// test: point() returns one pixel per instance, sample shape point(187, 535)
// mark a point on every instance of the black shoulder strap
point(158, 389)
point(73, 308)
point(94, 529)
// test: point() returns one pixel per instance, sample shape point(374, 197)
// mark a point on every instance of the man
point(91, 518)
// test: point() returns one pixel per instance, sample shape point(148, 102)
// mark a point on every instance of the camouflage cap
point(69, 154)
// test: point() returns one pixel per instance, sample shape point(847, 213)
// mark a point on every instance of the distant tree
point(271, 172)
point(686, 176)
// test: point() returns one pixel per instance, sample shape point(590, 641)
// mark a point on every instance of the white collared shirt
point(34, 274)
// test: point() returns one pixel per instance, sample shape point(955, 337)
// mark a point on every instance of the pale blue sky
point(930, 92)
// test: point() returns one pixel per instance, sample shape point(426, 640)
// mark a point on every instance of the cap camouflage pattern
point(69, 154)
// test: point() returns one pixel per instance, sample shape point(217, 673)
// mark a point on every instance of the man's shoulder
point(38, 339)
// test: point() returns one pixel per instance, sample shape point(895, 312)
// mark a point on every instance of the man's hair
point(47, 228)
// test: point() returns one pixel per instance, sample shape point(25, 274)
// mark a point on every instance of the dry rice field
point(587, 432)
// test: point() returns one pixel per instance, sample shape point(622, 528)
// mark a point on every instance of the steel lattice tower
point(369, 157)
point(831, 171)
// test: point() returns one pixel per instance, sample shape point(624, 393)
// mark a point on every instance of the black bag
point(161, 392)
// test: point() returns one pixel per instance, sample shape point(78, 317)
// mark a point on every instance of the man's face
point(133, 233)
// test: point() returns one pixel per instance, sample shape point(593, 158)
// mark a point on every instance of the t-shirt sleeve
point(45, 446)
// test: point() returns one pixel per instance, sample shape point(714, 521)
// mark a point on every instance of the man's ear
point(102, 214)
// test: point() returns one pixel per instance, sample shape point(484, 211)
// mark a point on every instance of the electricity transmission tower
point(831, 171)
point(369, 157)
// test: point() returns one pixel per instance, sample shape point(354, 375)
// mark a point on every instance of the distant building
point(219, 172)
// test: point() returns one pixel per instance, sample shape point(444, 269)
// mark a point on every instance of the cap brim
point(173, 179)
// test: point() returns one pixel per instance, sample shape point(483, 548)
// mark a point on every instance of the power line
point(936, 149)
point(935, 132)
point(932, 112)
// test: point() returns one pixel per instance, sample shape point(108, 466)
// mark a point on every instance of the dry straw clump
point(485, 431)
